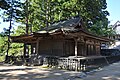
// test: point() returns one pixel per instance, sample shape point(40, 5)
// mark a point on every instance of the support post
point(32, 49)
point(85, 49)
point(37, 46)
point(76, 46)
point(24, 50)
point(26, 53)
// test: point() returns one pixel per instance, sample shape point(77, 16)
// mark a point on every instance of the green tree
point(42, 13)
point(3, 42)
point(4, 4)
point(14, 48)
point(11, 14)
point(17, 48)
point(100, 29)
point(93, 13)
point(51, 11)
point(3, 46)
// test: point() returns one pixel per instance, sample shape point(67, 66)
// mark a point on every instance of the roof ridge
point(115, 25)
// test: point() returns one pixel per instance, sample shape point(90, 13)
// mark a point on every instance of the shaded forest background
point(32, 15)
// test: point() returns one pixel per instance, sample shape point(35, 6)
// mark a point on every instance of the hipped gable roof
point(73, 25)
point(67, 25)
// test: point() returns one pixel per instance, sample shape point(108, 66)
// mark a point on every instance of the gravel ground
point(111, 72)
point(9, 72)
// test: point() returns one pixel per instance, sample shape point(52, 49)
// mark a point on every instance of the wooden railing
point(81, 64)
point(72, 64)
point(69, 63)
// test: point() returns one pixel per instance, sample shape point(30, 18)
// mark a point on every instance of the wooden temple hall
point(64, 39)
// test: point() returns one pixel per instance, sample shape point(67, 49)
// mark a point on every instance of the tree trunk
point(6, 57)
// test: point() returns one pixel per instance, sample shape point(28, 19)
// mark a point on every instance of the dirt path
point(111, 72)
point(34, 73)
point(8, 72)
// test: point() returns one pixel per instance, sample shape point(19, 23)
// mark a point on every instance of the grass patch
point(45, 66)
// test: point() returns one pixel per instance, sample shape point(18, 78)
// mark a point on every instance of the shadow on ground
point(36, 74)
point(10, 72)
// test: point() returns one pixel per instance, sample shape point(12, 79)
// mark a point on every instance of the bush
point(2, 58)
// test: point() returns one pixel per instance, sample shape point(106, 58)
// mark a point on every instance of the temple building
point(63, 39)
point(116, 37)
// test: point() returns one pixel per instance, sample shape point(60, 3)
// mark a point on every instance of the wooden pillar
point(94, 49)
point(26, 53)
point(37, 46)
point(26, 50)
point(31, 48)
point(85, 49)
point(76, 47)
point(64, 49)
point(100, 48)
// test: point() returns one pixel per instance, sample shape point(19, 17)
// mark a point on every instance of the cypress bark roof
point(67, 25)
point(72, 27)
